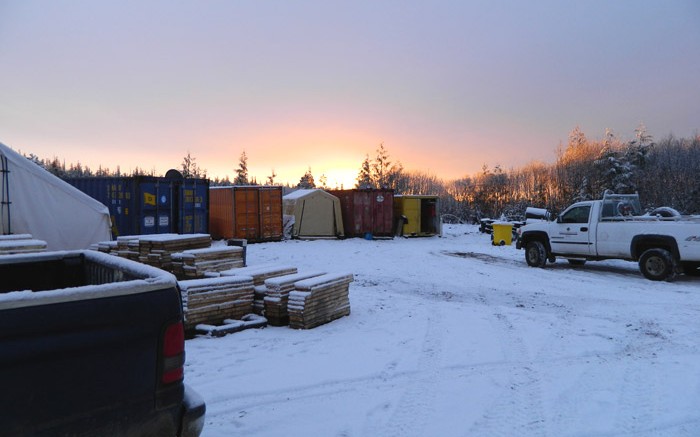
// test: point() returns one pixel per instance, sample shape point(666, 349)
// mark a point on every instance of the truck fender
point(542, 236)
point(641, 243)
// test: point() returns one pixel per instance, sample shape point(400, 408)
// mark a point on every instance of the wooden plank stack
point(259, 300)
point(156, 250)
point(194, 263)
point(128, 247)
point(259, 275)
point(276, 296)
point(109, 247)
point(319, 300)
point(20, 243)
point(213, 300)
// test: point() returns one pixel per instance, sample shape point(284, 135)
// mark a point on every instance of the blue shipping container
point(142, 205)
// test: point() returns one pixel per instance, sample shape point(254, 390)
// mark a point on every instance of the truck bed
point(80, 346)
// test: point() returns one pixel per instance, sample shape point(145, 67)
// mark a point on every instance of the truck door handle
point(584, 229)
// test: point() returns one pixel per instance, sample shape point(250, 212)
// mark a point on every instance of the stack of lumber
point(194, 263)
point(277, 295)
point(109, 247)
point(259, 275)
point(156, 250)
point(213, 300)
point(262, 272)
point(319, 300)
point(259, 300)
point(20, 243)
point(128, 247)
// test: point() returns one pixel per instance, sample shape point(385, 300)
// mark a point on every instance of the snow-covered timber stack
point(277, 296)
point(128, 247)
point(319, 300)
point(260, 274)
point(156, 250)
point(20, 243)
point(194, 263)
point(212, 300)
point(109, 247)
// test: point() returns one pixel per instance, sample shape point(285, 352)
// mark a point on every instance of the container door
point(271, 213)
point(382, 220)
point(156, 206)
point(246, 212)
point(429, 221)
point(119, 196)
point(193, 217)
point(221, 215)
point(411, 209)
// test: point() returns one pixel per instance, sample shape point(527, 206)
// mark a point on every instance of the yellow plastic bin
point(502, 234)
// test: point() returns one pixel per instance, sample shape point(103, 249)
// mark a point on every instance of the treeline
point(664, 173)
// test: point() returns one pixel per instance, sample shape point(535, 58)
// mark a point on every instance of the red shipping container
point(367, 213)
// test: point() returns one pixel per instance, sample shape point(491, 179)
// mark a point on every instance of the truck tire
point(658, 265)
point(535, 254)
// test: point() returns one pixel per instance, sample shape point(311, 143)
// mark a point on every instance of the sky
point(446, 86)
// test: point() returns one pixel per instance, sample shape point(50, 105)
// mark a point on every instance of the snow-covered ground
point(452, 336)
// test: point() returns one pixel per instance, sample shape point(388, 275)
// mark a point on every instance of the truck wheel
point(535, 254)
point(658, 265)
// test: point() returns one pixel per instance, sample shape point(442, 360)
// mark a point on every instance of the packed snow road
point(452, 336)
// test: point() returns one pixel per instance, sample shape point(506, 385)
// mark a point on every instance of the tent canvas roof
point(38, 203)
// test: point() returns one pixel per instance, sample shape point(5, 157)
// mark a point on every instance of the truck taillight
point(173, 353)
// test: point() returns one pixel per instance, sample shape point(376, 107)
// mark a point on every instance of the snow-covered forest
point(663, 172)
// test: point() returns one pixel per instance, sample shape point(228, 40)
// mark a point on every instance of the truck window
point(579, 214)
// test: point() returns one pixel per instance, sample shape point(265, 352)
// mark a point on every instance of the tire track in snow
point(638, 386)
point(416, 405)
point(517, 410)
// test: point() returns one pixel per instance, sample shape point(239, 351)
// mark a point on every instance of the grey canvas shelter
point(34, 201)
point(316, 213)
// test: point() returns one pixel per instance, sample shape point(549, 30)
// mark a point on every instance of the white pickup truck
point(614, 228)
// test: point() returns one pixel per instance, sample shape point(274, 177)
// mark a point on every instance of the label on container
point(149, 221)
point(380, 198)
point(149, 199)
point(163, 220)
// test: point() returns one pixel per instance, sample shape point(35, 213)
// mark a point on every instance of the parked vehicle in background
point(92, 345)
point(614, 228)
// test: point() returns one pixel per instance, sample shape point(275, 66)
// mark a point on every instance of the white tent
point(316, 214)
point(33, 201)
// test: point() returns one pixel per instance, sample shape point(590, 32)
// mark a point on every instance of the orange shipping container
point(250, 212)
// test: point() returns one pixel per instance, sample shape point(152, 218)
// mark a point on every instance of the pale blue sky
point(447, 86)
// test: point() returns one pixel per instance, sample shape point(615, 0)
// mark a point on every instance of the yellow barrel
point(502, 234)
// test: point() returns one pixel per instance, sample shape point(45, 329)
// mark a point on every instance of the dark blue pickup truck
point(92, 345)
